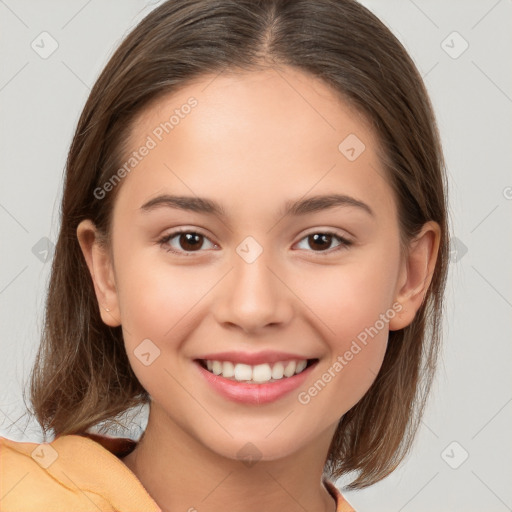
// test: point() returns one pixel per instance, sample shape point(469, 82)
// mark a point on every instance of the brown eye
point(190, 241)
point(321, 241)
point(183, 242)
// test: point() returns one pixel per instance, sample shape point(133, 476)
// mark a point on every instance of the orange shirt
point(80, 473)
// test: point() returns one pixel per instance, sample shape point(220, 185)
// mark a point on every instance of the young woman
point(254, 242)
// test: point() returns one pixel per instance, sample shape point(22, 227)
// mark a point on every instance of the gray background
point(462, 456)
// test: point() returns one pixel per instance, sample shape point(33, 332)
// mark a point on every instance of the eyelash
point(344, 243)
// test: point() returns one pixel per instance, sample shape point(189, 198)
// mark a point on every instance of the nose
point(254, 296)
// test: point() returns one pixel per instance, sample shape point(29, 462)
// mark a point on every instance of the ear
point(416, 274)
point(100, 266)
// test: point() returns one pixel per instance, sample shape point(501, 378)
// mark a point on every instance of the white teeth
point(278, 371)
point(289, 369)
point(217, 367)
point(243, 372)
point(259, 373)
point(228, 369)
point(300, 366)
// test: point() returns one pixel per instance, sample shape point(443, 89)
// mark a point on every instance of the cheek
point(353, 306)
point(350, 297)
point(156, 298)
point(158, 302)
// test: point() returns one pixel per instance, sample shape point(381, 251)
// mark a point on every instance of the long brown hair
point(82, 375)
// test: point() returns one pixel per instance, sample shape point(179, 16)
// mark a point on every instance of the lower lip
point(256, 394)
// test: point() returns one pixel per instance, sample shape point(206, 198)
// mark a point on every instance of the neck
point(180, 473)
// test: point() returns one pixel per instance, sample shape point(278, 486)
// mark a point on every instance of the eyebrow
point(295, 208)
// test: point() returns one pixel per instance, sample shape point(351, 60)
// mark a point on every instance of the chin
point(257, 447)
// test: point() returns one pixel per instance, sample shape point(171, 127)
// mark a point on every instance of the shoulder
point(70, 473)
point(26, 479)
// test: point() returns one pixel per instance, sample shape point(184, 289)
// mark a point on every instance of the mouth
point(264, 373)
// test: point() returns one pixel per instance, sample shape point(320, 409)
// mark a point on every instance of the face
point(318, 283)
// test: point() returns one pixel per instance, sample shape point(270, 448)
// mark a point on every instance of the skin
point(254, 141)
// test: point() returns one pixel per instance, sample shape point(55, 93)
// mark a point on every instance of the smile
point(255, 384)
point(259, 373)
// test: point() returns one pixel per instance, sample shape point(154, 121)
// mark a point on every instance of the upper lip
point(267, 356)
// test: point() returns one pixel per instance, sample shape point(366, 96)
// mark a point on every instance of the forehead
point(270, 135)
